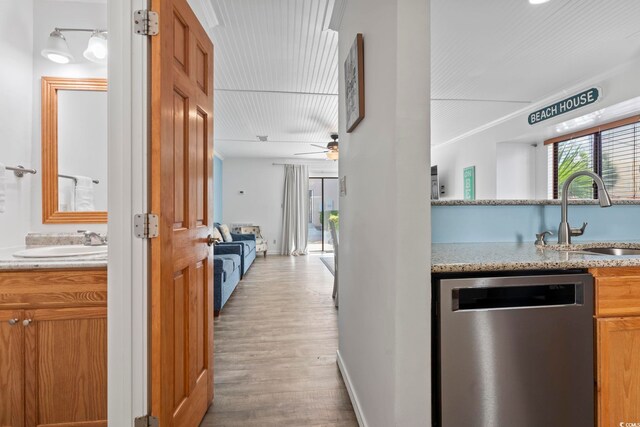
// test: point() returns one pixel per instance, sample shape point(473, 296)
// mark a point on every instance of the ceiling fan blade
point(314, 152)
point(324, 147)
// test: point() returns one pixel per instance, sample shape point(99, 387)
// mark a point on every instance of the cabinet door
point(66, 367)
point(618, 371)
point(11, 369)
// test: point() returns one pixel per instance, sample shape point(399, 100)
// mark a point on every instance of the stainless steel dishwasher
point(514, 351)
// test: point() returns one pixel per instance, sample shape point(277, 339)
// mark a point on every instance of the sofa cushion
point(226, 234)
point(217, 237)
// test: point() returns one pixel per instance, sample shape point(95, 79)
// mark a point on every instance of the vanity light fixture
point(97, 48)
point(57, 49)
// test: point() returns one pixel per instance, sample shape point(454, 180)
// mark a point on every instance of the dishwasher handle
point(517, 297)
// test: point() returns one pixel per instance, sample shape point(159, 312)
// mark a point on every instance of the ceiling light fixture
point(97, 48)
point(57, 49)
point(333, 155)
point(538, 1)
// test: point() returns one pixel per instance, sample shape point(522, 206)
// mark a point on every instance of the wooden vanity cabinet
point(11, 369)
point(53, 348)
point(617, 345)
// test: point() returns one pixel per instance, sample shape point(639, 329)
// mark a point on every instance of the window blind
point(621, 161)
point(612, 153)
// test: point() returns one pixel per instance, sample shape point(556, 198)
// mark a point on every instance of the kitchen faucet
point(565, 232)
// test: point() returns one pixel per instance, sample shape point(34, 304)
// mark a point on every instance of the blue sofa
point(227, 270)
point(248, 244)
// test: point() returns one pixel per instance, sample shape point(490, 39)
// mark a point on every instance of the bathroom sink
point(613, 251)
point(61, 251)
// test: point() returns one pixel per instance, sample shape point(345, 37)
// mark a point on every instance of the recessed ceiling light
point(538, 1)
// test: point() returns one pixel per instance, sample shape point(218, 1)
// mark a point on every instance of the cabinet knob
point(13, 321)
point(26, 322)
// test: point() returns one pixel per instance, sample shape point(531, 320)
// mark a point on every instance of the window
point(611, 152)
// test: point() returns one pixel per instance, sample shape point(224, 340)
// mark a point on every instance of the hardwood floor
point(275, 350)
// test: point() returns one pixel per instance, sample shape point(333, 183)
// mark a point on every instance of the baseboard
point(362, 422)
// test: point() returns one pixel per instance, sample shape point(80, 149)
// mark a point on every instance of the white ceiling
point(492, 58)
point(276, 69)
point(276, 74)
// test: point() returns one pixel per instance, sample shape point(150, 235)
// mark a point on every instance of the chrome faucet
point(91, 238)
point(565, 232)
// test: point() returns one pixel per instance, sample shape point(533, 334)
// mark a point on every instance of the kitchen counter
point(474, 257)
point(526, 202)
point(9, 262)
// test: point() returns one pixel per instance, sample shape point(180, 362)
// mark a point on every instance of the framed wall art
point(354, 84)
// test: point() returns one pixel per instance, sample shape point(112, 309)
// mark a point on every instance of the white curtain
point(295, 210)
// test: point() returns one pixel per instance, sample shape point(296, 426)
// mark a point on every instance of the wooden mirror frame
point(50, 212)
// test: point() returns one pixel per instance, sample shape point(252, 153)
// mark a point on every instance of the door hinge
point(145, 226)
point(145, 22)
point(146, 421)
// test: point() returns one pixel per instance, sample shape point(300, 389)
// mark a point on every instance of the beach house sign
point(574, 102)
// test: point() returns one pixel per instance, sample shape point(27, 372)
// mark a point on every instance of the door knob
point(13, 321)
point(210, 240)
point(26, 322)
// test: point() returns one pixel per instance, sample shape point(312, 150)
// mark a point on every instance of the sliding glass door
point(323, 207)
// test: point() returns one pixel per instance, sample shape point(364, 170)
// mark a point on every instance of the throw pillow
point(217, 237)
point(226, 234)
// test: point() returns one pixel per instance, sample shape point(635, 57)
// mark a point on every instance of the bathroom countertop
point(476, 257)
point(9, 262)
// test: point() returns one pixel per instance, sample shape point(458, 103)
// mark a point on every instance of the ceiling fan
point(331, 150)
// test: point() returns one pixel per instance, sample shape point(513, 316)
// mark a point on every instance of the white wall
point(453, 158)
point(24, 28)
point(16, 40)
point(384, 316)
point(515, 171)
point(480, 147)
point(263, 186)
point(49, 14)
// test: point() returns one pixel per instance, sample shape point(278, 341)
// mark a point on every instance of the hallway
point(275, 350)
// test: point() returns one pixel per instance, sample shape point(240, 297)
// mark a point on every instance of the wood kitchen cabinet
point(53, 349)
point(617, 345)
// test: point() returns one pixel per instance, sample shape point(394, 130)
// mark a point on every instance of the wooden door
point(11, 369)
point(181, 194)
point(618, 371)
point(66, 367)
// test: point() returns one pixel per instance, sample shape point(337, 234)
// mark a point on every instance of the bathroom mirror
point(74, 150)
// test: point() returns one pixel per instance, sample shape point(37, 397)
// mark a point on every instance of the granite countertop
point(9, 262)
point(514, 202)
point(475, 257)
